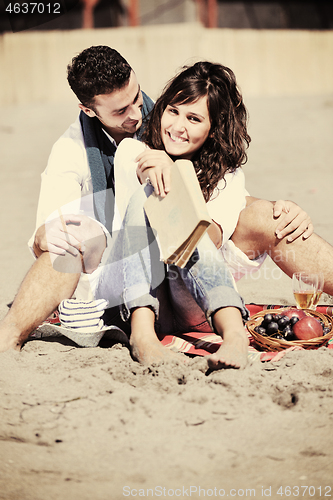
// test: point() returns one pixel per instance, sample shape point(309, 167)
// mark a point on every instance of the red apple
point(307, 328)
point(294, 312)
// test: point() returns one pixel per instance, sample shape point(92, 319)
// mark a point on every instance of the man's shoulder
point(68, 151)
point(74, 131)
point(71, 139)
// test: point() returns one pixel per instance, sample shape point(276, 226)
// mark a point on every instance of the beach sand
point(93, 424)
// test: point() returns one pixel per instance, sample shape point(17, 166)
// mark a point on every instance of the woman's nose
point(179, 123)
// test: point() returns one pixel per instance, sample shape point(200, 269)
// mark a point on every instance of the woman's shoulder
point(231, 181)
point(130, 148)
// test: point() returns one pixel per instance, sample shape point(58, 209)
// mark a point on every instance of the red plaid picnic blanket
point(202, 344)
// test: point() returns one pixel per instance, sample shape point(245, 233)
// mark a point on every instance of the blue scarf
point(100, 153)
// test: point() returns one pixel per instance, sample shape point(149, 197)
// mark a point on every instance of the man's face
point(120, 111)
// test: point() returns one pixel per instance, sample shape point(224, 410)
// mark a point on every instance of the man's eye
point(121, 112)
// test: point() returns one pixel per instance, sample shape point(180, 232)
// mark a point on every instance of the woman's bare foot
point(150, 351)
point(145, 346)
point(232, 353)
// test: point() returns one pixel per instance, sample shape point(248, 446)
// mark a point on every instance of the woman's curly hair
point(225, 148)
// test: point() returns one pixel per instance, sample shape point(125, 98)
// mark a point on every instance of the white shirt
point(224, 207)
point(66, 183)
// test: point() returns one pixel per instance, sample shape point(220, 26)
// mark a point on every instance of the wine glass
point(305, 286)
point(320, 288)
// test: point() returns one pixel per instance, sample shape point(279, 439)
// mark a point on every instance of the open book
point(181, 218)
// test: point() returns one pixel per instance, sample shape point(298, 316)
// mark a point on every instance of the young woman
point(200, 117)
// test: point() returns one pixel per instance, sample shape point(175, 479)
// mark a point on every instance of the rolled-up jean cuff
point(227, 297)
point(133, 300)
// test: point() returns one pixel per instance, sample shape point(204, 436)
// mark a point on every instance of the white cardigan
point(224, 208)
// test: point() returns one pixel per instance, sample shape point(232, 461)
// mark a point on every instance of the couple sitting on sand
point(201, 117)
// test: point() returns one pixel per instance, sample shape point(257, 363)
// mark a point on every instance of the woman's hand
point(295, 221)
point(155, 165)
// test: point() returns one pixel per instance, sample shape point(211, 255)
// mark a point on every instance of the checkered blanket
point(198, 343)
point(207, 343)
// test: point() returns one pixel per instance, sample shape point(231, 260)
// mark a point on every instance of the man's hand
point(71, 235)
point(59, 236)
point(294, 222)
point(155, 165)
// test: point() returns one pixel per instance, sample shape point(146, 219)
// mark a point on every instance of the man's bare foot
point(233, 353)
point(9, 338)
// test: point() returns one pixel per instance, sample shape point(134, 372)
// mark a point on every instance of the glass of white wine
point(320, 289)
point(305, 289)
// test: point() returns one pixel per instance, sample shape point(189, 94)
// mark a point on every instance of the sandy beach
point(93, 424)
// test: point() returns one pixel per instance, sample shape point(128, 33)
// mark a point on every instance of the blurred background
point(263, 14)
point(281, 53)
point(275, 48)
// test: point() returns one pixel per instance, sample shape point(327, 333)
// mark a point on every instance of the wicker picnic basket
point(266, 343)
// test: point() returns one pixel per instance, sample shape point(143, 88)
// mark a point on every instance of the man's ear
point(89, 112)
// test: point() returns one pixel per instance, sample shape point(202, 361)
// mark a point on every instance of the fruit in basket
point(290, 324)
point(293, 312)
point(283, 322)
point(288, 333)
point(307, 328)
point(261, 330)
point(267, 319)
point(272, 328)
point(293, 320)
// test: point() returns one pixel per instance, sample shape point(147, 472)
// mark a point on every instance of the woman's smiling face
point(185, 127)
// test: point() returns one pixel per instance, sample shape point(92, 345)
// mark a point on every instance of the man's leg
point(255, 234)
point(40, 293)
point(48, 282)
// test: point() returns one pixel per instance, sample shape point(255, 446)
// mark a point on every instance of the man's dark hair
point(97, 70)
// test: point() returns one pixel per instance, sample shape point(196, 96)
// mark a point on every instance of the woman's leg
point(233, 352)
point(145, 346)
point(210, 302)
point(137, 284)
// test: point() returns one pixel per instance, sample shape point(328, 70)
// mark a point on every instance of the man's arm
point(63, 183)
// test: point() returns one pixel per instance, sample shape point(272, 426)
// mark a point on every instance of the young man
point(78, 180)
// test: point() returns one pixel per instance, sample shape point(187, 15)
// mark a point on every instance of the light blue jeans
point(182, 299)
